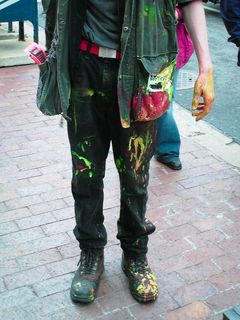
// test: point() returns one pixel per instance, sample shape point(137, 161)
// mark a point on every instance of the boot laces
point(88, 262)
point(139, 265)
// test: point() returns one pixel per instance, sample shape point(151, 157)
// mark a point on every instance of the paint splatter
point(90, 92)
point(85, 142)
point(203, 95)
point(136, 243)
point(85, 165)
point(91, 295)
point(100, 93)
point(144, 283)
point(148, 286)
point(150, 12)
point(138, 146)
point(121, 167)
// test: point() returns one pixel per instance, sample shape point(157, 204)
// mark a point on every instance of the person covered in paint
point(168, 140)
point(230, 13)
point(101, 47)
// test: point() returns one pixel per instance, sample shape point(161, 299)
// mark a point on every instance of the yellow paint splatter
point(138, 145)
point(91, 296)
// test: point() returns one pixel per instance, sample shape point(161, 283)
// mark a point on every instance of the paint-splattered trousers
point(95, 123)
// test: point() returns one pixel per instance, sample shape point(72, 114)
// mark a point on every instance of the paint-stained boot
point(86, 279)
point(142, 282)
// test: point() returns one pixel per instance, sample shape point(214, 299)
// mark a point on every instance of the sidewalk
point(194, 252)
point(11, 50)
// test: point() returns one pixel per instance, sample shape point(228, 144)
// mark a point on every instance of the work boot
point(86, 279)
point(142, 282)
point(174, 163)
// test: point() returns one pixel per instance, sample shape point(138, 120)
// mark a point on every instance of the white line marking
point(7, 3)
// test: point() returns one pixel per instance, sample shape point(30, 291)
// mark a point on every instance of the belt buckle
point(107, 53)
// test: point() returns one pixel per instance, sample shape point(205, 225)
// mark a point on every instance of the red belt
point(98, 50)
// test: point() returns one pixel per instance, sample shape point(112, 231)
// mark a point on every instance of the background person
point(230, 13)
point(168, 140)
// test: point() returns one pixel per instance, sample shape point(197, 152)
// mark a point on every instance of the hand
point(203, 95)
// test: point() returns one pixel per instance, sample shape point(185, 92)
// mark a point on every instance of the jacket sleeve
point(50, 9)
point(230, 13)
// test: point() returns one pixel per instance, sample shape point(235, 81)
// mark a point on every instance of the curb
point(207, 136)
point(12, 50)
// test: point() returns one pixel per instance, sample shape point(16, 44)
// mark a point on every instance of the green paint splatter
point(85, 142)
point(81, 168)
point(120, 165)
point(90, 92)
point(150, 12)
point(102, 94)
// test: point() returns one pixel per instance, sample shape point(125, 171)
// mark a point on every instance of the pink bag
point(185, 46)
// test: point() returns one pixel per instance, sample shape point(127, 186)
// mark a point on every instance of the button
point(125, 28)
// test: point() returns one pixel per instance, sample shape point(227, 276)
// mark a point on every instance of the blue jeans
point(168, 138)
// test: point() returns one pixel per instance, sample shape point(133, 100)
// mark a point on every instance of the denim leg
point(95, 121)
point(168, 138)
point(89, 141)
point(133, 148)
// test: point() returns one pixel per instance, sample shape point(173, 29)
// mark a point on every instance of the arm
point(194, 18)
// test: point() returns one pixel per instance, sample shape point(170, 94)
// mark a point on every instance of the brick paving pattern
point(194, 251)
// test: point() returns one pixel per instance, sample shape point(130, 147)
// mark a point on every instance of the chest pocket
point(156, 28)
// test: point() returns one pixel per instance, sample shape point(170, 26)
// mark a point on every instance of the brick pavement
point(194, 252)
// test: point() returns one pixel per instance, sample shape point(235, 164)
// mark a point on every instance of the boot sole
point(137, 297)
point(81, 299)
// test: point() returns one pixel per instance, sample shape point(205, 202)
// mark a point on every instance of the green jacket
point(148, 43)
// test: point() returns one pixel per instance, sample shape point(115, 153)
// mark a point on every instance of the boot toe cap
point(83, 290)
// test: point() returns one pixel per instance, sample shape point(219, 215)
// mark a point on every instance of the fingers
point(203, 98)
point(201, 106)
point(195, 101)
point(198, 107)
point(201, 110)
point(197, 94)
